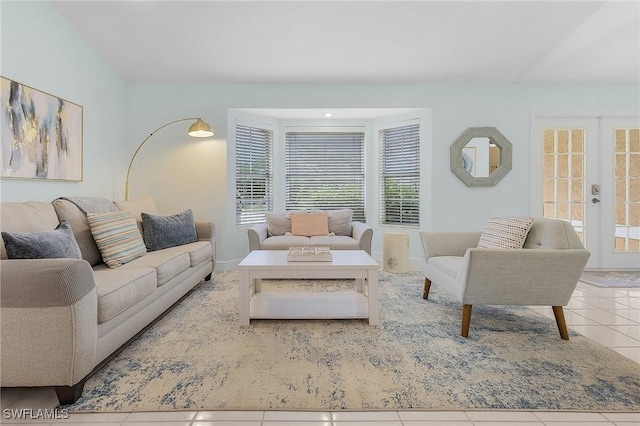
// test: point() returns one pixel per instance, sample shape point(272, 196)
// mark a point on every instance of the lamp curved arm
point(126, 187)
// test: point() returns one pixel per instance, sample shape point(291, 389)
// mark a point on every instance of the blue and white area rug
point(199, 358)
point(619, 279)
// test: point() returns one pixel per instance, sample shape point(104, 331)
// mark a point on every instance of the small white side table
point(395, 257)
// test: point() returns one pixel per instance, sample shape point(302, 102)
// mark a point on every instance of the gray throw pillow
point(168, 231)
point(59, 243)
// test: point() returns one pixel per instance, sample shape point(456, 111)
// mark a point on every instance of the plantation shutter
point(325, 170)
point(253, 174)
point(400, 175)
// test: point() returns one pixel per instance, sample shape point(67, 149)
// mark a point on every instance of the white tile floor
point(608, 316)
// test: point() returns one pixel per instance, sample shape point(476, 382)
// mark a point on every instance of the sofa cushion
point(121, 288)
point(552, 234)
point(144, 204)
point(68, 211)
point(337, 242)
point(168, 231)
point(449, 265)
point(199, 252)
point(283, 242)
point(59, 243)
point(308, 224)
point(30, 216)
point(117, 237)
point(340, 222)
point(167, 263)
point(505, 232)
point(278, 223)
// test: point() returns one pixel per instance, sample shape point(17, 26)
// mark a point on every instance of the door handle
point(595, 200)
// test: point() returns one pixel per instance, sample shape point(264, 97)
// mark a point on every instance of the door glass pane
point(564, 176)
point(627, 189)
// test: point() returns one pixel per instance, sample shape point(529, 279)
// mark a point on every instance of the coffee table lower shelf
point(309, 305)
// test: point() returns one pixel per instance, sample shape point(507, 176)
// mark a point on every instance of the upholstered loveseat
point(62, 317)
point(332, 228)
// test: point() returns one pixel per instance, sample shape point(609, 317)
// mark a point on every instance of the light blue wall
point(182, 173)
point(41, 50)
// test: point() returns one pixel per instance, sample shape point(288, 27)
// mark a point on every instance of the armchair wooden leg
point(562, 324)
point(466, 320)
point(427, 287)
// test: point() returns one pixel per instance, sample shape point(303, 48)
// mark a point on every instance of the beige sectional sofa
point(61, 318)
point(343, 233)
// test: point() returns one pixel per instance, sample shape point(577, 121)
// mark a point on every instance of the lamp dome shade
point(200, 129)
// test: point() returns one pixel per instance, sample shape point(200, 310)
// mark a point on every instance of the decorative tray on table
point(309, 254)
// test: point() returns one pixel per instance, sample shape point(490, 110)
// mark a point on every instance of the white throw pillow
point(505, 232)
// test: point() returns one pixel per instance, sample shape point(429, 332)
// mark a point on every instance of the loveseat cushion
point(505, 232)
point(200, 251)
point(118, 289)
point(340, 222)
point(283, 242)
point(335, 242)
point(309, 224)
point(449, 265)
point(278, 223)
point(167, 263)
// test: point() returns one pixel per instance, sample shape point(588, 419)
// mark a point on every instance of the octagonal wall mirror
point(481, 156)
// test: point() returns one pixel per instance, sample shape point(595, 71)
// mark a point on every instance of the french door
point(587, 171)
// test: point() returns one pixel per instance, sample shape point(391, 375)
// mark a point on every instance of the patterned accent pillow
point(505, 232)
point(59, 243)
point(117, 237)
point(168, 231)
point(310, 224)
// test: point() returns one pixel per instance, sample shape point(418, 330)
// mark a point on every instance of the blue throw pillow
point(168, 231)
point(59, 243)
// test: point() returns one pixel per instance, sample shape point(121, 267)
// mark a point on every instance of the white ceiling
point(364, 41)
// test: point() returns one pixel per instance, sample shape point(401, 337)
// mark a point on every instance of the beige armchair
point(544, 272)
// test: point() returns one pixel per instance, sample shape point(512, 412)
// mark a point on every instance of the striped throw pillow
point(117, 237)
point(310, 224)
point(505, 232)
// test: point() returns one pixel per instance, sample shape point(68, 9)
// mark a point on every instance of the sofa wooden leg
point(427, 287)
point(466, 320)
point(208, 277)
point(70, 394)
point(562, 324)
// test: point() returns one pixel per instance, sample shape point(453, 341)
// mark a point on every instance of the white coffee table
point(347, 264)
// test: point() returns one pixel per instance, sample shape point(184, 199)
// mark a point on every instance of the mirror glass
point(481, 156)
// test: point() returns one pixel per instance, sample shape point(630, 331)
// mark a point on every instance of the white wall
point(193, 174)
point(41, 50)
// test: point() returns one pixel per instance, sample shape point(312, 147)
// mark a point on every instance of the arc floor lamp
point(199, 129)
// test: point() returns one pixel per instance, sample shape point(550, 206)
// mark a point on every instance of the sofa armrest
point(363, 233)
point(520, 277)
point(257, 234)
point(205, 231)
point(448, 243)
point(49, 314)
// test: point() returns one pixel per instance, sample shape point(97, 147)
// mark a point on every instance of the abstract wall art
point(40, 135)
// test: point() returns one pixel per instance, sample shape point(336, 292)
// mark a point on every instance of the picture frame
point(41, 135)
